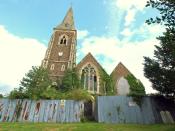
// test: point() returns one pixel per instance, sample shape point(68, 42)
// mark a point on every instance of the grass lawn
point(83, 127)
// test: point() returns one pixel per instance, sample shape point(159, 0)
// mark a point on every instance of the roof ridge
point(90, 55)
point(120, 63)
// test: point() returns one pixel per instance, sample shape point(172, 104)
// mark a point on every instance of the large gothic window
point(63, 40)
point(89, 78)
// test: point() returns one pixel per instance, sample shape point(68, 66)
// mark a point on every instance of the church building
point(61, 55)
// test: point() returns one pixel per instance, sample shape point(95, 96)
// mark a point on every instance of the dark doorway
point(88, 110)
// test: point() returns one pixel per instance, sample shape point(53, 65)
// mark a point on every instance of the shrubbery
point(37, 85)
point(1, 96)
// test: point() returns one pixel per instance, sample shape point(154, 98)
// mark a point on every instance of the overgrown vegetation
point(37, 85)
point(161, 70)
point(33, 85)
point(136, 87)
point(79, 94)
point(70, 80)
point(107, 83)
point(137, 90)
point(74, 94)
point(1, 96)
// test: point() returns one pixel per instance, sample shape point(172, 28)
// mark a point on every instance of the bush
point(37, 85)
point(79, 94)
point(70, 80)
point(17, 94)
point(1, 96)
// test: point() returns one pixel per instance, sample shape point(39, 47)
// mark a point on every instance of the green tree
point(17, 93)
point(37, 85)
point(1, 96)
point(161, 70)
point(50, 92)
point(32, 86)
point(166, 9)
point(70, 80)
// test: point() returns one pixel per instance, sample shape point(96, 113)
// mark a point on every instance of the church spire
point(68, 21)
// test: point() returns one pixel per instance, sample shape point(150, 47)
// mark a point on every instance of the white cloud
point(17, 56)
point(149, 31)
point(145, 31)
point(130, 17)
point(114, 17)
point(138, 4)
point(81, 34)
point(126, 32)
point(119, 9)
point(155, 29)
point(131, 7)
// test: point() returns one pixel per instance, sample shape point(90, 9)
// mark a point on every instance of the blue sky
point(112, 30)
point(36, 18)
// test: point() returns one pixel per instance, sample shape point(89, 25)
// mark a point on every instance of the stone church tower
point(61, 51)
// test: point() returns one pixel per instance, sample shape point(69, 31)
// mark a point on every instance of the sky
point(112, 30)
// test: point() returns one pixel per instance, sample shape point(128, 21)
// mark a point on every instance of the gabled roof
point(68, 21)
point(120, 71)
point(89, 58)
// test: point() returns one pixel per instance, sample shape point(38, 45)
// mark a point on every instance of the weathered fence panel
point(122, 109)
point(40, 111)
point(108, 109)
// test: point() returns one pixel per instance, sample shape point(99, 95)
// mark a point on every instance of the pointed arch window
point(63, 68)
point(63, 40)
point(45, 63)
point(52, 67)
point(89, 78)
